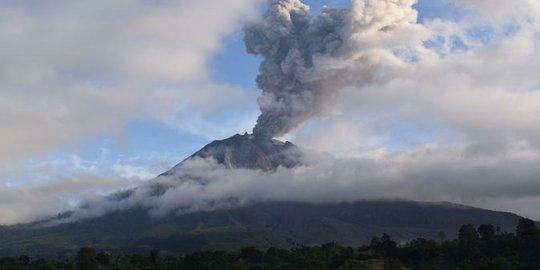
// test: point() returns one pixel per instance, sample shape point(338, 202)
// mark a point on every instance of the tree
point(86, 258)
point(486, 232)
point(384, 245)
point(468, 242)
point(528, 238)
point(526, 230)
point(252, 255)
point(420, 251)
point(468, 233)
point(387, 245)
point(104, 258)
point(155, 259)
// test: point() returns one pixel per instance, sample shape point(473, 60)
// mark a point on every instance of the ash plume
point(307, 60)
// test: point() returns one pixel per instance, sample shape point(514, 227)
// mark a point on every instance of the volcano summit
point(248, 152)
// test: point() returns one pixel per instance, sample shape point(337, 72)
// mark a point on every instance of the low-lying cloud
point(459, 174)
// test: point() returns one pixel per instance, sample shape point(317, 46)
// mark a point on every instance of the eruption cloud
point(307, 60)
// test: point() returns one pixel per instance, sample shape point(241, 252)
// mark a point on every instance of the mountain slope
point(281, 224)
point(248, 152)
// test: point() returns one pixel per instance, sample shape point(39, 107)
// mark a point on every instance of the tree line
point(477, 248)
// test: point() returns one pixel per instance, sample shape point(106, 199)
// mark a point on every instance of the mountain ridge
point(249, 152)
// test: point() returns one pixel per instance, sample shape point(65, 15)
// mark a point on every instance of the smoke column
point(307, 60)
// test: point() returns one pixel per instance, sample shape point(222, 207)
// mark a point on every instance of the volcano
point(264, 224)
point(248, 152)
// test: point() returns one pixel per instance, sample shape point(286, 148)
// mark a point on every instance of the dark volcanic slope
point(249, 152)
point(263, 225)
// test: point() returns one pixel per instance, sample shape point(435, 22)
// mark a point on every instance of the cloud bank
point(71, 69)
point(461, 174)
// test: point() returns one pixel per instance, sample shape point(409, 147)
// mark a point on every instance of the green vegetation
point(482, 248)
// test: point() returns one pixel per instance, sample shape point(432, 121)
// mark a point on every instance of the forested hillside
point(265, 225)
point(480, 248)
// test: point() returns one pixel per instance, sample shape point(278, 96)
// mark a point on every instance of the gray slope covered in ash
point(248, 152)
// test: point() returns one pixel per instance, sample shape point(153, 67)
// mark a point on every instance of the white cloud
point(488, 92)
point(73, 69)
point(58, 183)
point(459, 174)
point(35, 200)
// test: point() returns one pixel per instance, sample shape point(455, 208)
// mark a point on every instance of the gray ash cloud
point(307, 60)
